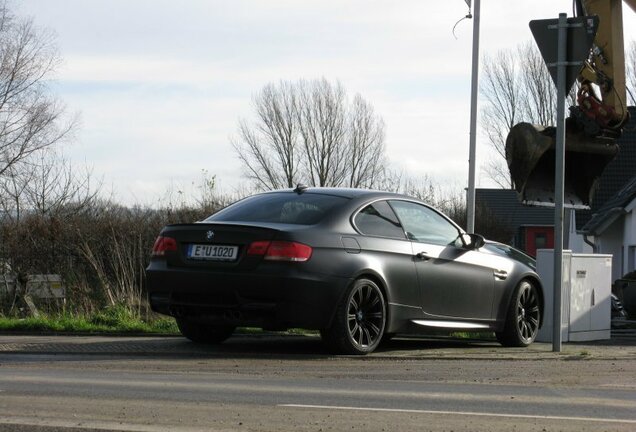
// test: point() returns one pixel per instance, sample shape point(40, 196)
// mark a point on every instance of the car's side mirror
point(472, 241)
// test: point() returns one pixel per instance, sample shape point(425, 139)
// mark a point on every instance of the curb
point(298, 346)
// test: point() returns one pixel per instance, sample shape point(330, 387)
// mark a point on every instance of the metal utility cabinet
point(586, 295)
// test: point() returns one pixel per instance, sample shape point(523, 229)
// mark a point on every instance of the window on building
point(540, 240)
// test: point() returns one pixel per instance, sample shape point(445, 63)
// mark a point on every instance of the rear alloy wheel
point(523, 319)
point(204, 333)
point(360, 320)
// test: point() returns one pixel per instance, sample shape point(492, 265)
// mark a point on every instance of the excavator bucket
point(530, 153)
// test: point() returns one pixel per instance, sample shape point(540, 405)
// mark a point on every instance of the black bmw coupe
point(357, 265)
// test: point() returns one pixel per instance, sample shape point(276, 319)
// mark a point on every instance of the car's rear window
point(283, 207)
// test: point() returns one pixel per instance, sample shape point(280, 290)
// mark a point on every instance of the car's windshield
point(280, 207)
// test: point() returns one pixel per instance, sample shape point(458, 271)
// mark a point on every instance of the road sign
point(580, 37)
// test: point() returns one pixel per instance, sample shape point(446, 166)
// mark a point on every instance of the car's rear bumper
point(277, 297)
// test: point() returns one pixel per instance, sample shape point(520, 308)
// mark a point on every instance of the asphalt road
point(290, 383)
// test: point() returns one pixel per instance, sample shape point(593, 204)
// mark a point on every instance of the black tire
point(523, 317)
point(204, 333)
point(358, 326)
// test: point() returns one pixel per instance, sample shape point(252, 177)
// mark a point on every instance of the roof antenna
point(300, 188)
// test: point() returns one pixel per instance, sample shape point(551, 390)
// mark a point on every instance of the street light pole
point(474, 88)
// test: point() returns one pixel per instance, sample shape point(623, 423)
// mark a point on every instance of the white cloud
point(161, 84)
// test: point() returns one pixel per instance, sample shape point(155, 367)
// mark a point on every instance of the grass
point(119, 319)
point(116, 319)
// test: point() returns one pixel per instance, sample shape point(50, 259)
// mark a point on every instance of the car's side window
point(378, 219)
point(424, 224)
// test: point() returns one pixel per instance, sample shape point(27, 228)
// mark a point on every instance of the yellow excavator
point(594, 123)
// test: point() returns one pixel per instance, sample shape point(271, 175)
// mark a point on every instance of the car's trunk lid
point(216, 245)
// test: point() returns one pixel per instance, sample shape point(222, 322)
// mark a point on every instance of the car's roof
point(343, 192)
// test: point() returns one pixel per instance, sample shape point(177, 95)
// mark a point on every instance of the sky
point(159, 86)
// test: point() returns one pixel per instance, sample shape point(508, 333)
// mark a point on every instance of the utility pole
point(474, 88)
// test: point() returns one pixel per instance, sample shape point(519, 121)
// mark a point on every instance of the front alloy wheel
point(360, 320)
point(524, 315)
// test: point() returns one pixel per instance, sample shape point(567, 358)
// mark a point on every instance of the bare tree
point(539, 99)
point(51, 187)
point(308, 132)
point(516, 87)
point(366, 149)
point(269, 147)
point(30, 117)
point(501, 88)
point(322, 118)
point(57, 188)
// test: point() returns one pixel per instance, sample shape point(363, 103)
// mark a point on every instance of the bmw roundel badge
point(209, 235)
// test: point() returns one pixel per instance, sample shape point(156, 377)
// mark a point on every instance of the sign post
point(559, 182)
point(573, 40)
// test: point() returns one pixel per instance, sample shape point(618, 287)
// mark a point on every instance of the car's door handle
point(422, 256)
point(501, 274)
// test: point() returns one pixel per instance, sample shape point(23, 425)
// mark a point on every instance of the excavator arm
point(595, 122)
point(603, 113)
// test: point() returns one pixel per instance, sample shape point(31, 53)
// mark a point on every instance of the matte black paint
point(447, 283)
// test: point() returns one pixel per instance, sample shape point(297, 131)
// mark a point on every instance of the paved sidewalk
point(621, 346)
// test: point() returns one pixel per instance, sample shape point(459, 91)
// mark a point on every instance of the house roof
point(611, 209)
point(505, 206)
point(616, 177)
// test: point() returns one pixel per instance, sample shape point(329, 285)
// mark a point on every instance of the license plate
point(212, 252)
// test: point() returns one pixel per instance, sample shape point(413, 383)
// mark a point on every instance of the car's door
point(388, 251)
point(454, 282)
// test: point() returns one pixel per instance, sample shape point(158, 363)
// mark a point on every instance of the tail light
point(280, 250)
point(163, 245)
